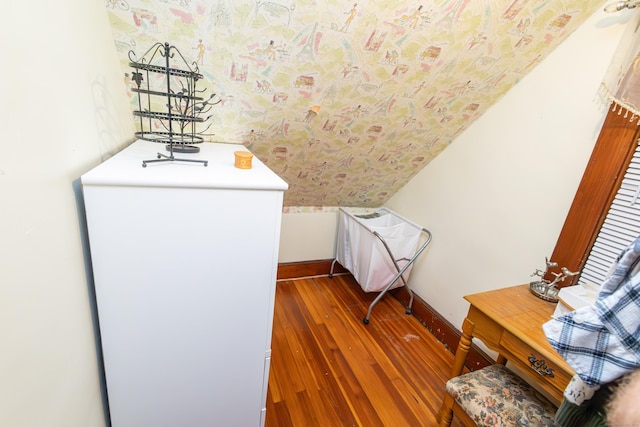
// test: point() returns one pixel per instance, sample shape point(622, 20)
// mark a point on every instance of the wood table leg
point(501, 360)
point(445, 414)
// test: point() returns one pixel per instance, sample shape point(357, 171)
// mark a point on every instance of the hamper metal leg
point(408, 309)
point(331, 270)
point(399, 275)
point(386, 288)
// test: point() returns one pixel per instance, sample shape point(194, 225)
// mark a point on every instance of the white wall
point(63, 110)
point(308, 236)
point(497, 197)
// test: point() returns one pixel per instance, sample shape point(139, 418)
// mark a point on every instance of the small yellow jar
point(243, 159)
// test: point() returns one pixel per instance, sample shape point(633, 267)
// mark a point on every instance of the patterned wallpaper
point(348, 100)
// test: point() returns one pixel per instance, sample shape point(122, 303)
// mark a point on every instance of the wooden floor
point(330, 369)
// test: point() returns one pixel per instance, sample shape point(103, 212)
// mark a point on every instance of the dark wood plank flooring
point(330, 369)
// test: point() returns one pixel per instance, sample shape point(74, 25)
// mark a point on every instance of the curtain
point(621, 84)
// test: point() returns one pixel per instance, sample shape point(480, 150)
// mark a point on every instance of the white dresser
point(184, 262)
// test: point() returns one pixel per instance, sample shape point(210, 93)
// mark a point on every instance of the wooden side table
point(509, 321)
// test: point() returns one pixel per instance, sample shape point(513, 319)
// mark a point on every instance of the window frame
point(603, 175)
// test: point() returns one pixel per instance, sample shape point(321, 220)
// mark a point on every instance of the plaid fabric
point(601, 342)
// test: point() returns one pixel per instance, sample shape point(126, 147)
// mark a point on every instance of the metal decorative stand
point(174, 111)
point(545, 289)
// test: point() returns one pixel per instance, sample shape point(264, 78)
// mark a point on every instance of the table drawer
point(548, 375)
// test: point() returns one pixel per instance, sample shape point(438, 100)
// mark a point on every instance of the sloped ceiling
point(348, 100)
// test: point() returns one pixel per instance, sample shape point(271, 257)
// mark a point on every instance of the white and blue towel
point(601, 342)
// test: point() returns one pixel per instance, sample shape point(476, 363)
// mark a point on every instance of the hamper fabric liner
point(364, 255)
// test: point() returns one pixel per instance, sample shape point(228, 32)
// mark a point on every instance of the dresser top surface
point(125, 169)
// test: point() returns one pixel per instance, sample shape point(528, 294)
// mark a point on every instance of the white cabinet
point(184, 262)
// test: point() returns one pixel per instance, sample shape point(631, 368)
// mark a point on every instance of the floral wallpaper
point(347, 100)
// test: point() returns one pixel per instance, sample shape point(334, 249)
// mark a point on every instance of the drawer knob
point(540, 366)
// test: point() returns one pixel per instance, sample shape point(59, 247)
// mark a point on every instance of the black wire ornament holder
point(183, 108)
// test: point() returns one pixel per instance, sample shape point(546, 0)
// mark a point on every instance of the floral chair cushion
point(494, 396)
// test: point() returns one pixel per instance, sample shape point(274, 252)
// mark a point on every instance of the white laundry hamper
point(379, 250)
